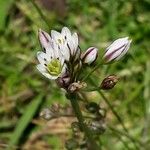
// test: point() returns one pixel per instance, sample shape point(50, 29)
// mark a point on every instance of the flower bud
point(90, 55)
point(109, 82)
point(63, 81)
point(44, 38)
point(73, 87)
point(117, 49)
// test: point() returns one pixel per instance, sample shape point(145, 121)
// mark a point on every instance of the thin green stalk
point(95, 68)
point(125, 134)
point(114, 112)
point(122, 140)
point(117, 116)
point(90, 89)
point(91, 142)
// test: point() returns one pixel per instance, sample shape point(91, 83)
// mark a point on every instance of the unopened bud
point(109, 82)
point(76, 86)
point(117, 49)
point(45, 39)
point(63, 81)
point(90, 55)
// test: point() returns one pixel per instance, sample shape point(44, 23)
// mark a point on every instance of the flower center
point(60, 41)
point(54, 67)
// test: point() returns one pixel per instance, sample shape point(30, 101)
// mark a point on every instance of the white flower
point(67, 42)
point(51, 60)
point(90, 55)
point(117, 49)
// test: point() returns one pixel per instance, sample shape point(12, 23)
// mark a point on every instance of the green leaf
point(25, 121)
point(4, 6)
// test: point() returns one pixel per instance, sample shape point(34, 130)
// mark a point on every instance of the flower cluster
point(61, 58)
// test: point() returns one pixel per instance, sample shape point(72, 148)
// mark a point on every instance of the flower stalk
point(91, 142)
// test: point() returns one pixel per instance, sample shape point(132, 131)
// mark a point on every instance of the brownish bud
point(76, 86)
point(63, 81)
point(109, 82)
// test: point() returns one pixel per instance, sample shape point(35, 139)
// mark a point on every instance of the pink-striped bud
point(90, 55)
point(117, 49)
point(45, 39)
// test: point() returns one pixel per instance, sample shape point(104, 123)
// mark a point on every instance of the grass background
point(24, 92)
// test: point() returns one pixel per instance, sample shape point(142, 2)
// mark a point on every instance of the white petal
point(55, 35)
point(75, 39)
point(44, 72)
point(75, 42)
point(41, 56)
point(47, 75)
point(56, 50)
point(65, 52)
point(41, 68)
point(66, 33)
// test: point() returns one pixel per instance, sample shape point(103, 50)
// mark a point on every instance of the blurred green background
point(24, 91)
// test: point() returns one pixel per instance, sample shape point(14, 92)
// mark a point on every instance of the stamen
point(54, 67)
point(59, 41)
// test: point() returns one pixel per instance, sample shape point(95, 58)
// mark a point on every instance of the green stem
point(94, 69)
point(126, 135)
point(117, 116)
point(91, 89)
point(91, 142)
point(114, 112)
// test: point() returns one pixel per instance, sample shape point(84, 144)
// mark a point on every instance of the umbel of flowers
point(61, 60)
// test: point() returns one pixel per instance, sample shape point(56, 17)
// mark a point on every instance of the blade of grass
point(146, 129)
point(4, 6)
point(25, 121)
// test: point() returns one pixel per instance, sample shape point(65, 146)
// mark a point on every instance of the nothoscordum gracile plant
point(61, 60)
